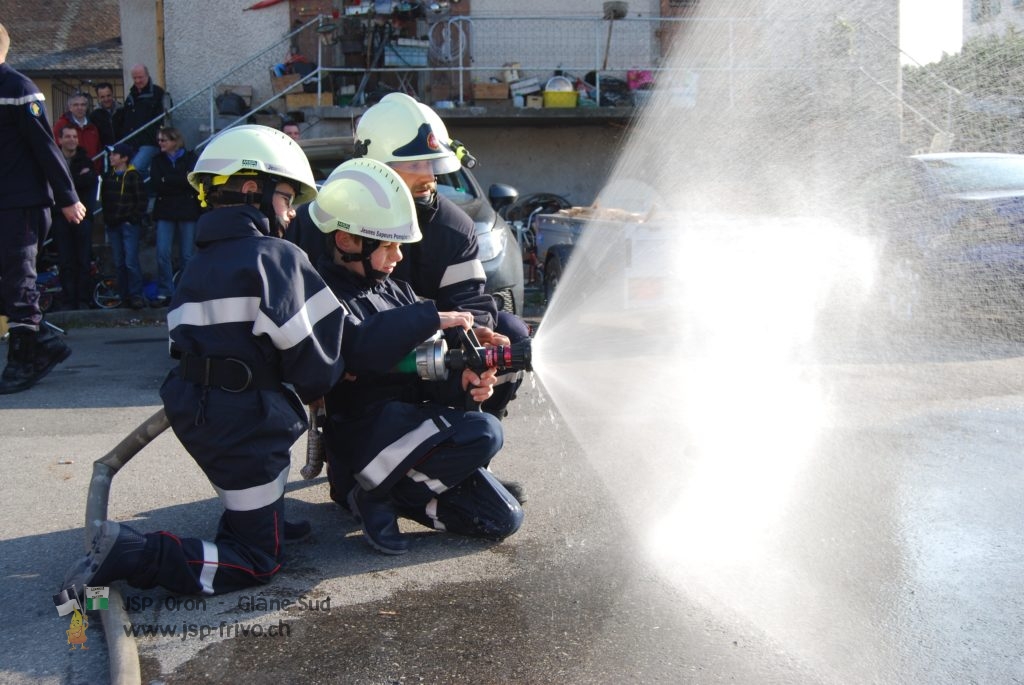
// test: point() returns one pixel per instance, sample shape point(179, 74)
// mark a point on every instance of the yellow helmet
point(366, 198)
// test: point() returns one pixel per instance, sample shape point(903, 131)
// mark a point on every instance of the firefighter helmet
point(396, 129)
point(369, 199)
point(256, 150)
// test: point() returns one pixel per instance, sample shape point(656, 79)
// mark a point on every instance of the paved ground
point(889, 551)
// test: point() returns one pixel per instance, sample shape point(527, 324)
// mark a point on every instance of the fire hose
point(124, 654)
point(432, 360)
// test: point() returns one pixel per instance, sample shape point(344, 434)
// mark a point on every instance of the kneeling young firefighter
point(411, 445)
point(249, 315)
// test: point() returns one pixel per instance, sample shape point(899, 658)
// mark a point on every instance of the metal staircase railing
point(210, 89)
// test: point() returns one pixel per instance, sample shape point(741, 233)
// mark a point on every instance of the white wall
point(202, 41)
point(138, 44)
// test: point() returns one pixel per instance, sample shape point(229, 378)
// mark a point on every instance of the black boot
point(115, 553)
point(380, 521)
point(50, 350)
point(30, 356)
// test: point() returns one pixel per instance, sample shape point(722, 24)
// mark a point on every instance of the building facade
point(752, 63)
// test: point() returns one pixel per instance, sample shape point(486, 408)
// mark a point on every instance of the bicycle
point(105, 293)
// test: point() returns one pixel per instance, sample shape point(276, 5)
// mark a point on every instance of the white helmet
point(254, 148)
point(366, 198)
point(397, 129)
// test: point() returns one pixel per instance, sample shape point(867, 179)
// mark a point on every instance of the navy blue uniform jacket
point(445, 265)
point(381, 409)
point(32, 168)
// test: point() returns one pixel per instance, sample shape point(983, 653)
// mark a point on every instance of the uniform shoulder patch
point(35, 108)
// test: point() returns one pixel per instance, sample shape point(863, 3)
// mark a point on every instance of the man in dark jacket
point(33, 176)
point(256, 329)
point(74, 241)
point(143, 117)
point(108, 116)
point(411, 445)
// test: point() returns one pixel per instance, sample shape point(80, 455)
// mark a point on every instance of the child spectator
point(124, 202)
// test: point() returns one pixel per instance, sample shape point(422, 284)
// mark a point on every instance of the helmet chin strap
point(369, 245)
point(266, 204)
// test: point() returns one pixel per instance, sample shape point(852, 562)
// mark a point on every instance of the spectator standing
point(124, 202)
point(74, 241)
point(78, 117)
point(108, 117)
point(33, 177)
point(144, 103)
point(176, 210)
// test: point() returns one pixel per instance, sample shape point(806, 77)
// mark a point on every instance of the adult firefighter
point(411, 138)
point(249, 315)
point(34, 177)
point(411, 445)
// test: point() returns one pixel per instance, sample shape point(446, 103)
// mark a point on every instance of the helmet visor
point(446, 164)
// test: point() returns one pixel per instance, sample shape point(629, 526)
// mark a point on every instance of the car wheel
point(552, 275)
point(106, 295)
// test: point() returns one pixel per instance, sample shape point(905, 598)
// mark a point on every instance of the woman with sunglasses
point(176, 210)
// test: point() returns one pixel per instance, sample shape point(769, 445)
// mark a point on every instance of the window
point(983, 10)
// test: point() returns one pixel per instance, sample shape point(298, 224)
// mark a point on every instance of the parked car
point(951, 234)
point(500, 252)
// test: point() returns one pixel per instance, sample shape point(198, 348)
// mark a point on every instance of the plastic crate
point(557, 98)
point(405, 56)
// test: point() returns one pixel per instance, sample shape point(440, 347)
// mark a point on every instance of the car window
point(456, 187)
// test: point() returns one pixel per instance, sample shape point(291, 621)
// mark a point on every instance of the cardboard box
point(534, 102)
point(300, 100)
point(490, 91)
point(279, 83)
point(440, 91)
point(511, 72)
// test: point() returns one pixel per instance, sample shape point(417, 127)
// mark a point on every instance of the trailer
point(626, 253)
